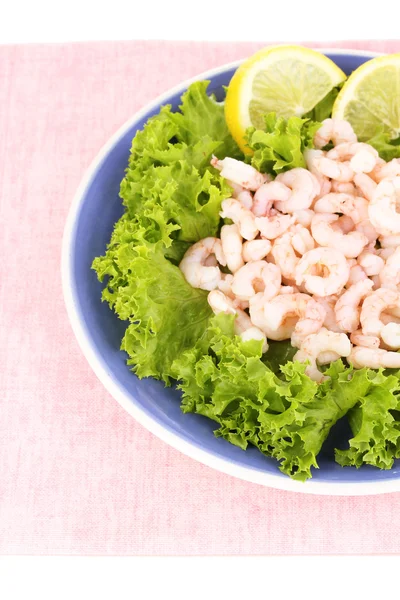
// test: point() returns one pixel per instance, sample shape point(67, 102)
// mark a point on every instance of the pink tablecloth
point(77, 474)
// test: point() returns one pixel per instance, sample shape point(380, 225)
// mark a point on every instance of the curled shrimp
point(385, 253)
point(373, 358)
point(382, 209)
point(367, 341)
point(266, 195)
point(356, 274)
point(273, 227)
point(284, 256)
point(238, 172)
point(390, 335)
point(379, 301)
point(351, 244)
point(343, 187)
point(339, 171)
point(340, 203)
point(231, 241)
point(302, 240)
point(390, 241)
point(304, 188)
point(335, 131)
point(365, 184)
point(288, 289)
point(324, 271)
point(362, 157)
point(240, 193)
point(328, 303)
point(389, 275)
point(385, 170)
point(308, 313)
point(371, 262)
point(303, 217)
point(347, 307)
point(255, 250)
point(193, 264)
point(243, 326)
point(257, 314)
point(366, 228)
point(254, 277)
point(243, 218)
point(310, 156)
point(318, 344)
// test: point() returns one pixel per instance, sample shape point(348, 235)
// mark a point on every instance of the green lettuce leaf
point(386, 147)
point(167, 315)
point(374, 424)
point(281, 145)
point(201, 115)
point(287, 417)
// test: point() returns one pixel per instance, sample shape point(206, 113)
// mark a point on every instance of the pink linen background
point(77, 474)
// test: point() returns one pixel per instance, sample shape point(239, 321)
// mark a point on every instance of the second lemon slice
point(370, 98)
point(288, 80)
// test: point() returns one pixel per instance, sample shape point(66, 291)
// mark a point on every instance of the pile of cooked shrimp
point(313, 255)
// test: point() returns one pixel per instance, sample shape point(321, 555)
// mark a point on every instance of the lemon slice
point(288, 80)
point(370, 98)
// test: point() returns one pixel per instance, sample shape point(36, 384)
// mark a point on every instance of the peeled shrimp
point(357, 274)
point(257, 314)
point(386, 170)
point(310, 156)
point(383, 207)
point(385, 253)
point(319, 343)
point(377, 302)
point(267, 194)
point(239, 193)
point(243, 218)
point(351, 244)
point(328, 303)
point(302, 240)
point(243, 325)
point(239, 172)
point(390, 335)
point(373, 358)
point(367, 341)
point(304, 186)
point(365, 184)
point(324, 271)
point(346, 187)
point(303, 217)
point(284, 256)
point(390, 273)
point(232, 247)
point(310, 315)
point(371, 262)
point(192, 265)
point(254, 277)
point(273, 227)
point(256, 250)
point(389, 241)
point(340, 171)
point(367, 229)
point(347, 307)
point(339, 203)
point(362, 157)
point(336, 131)
point(288, 289)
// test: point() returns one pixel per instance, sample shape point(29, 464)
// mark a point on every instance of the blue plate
point(95, 209)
